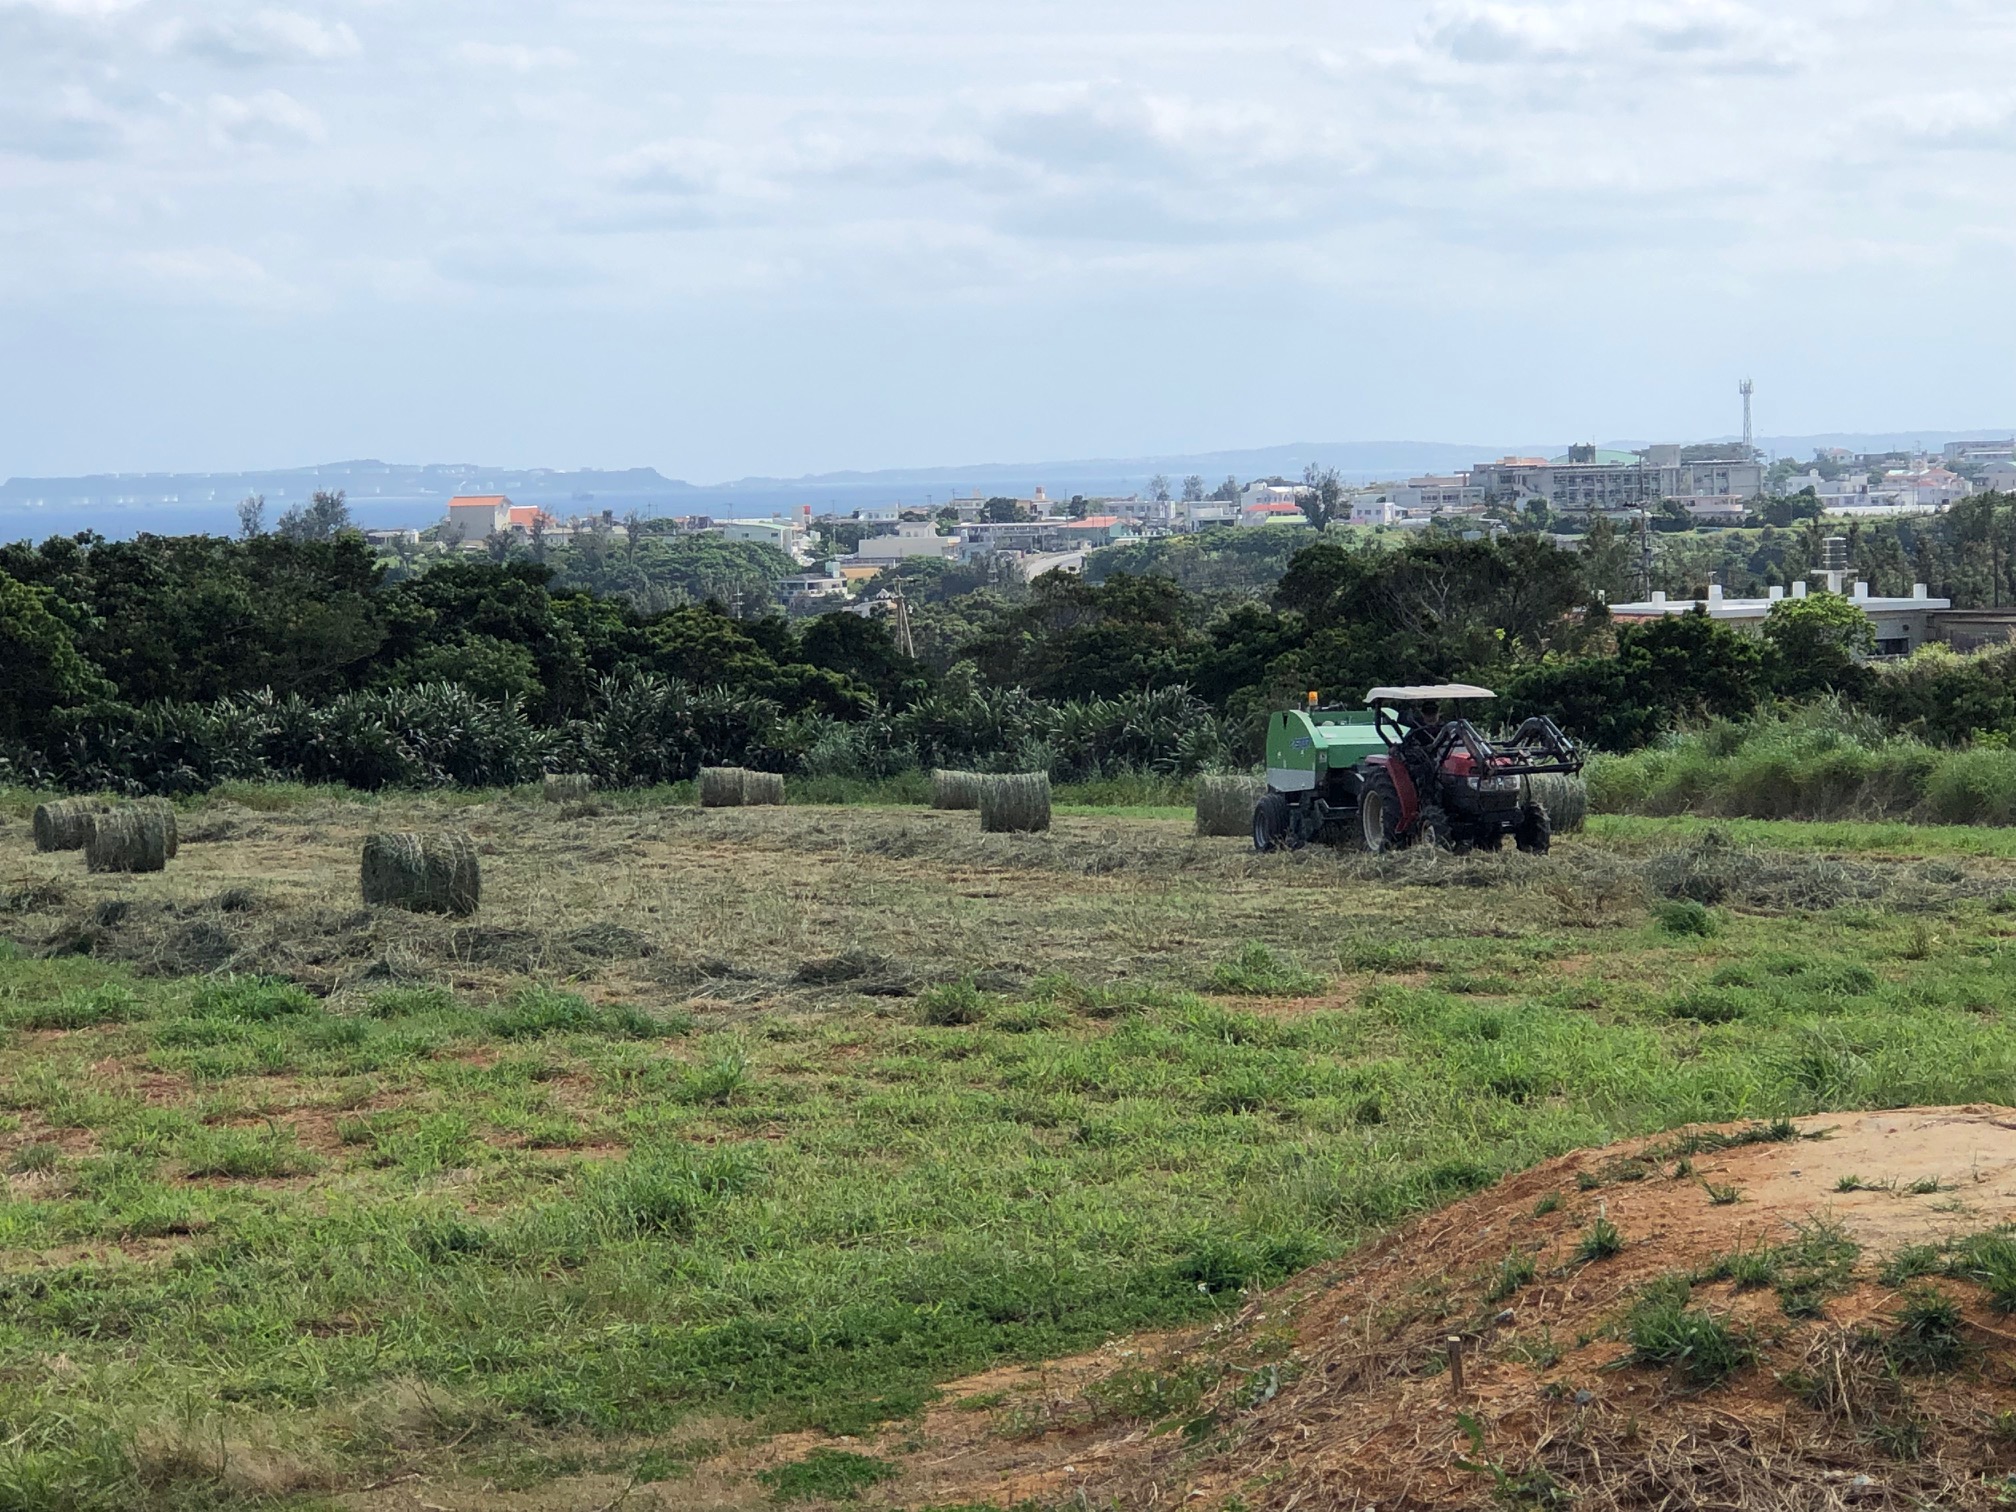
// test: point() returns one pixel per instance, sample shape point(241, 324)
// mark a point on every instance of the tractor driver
point(1424, 724)
point(1417, 747)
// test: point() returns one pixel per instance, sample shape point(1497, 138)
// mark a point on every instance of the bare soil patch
point(1335, 1391)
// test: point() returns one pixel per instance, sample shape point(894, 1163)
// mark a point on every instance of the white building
point(1264, 492)
point(1999, 477)
point(788, 536)
point(1377, 511)
point(1902, 624)
point(913, 538)
point(1436, 494)
point(473, 517)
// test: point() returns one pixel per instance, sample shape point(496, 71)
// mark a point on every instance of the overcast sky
point(770, 236)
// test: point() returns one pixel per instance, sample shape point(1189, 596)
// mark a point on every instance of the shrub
point(537, 1011)
point(1684, 916)
point(1927, 1336)
point(952, 1003)
point(1601, 1242)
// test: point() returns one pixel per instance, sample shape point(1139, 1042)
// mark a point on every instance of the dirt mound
point(1809, 1314)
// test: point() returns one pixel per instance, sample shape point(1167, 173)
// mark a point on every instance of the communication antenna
point(1746, 388)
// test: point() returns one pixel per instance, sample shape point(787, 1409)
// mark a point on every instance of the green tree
point(43, 671)
point(1000, 511)
point(324, 517)
point(1817, 645)
point(1324, 496)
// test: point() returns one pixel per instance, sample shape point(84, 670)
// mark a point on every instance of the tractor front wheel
point(1433, 830)
point(1536, 831)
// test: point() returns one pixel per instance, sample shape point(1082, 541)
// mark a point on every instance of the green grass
point(1703, 1349)
point(562, 1218)
point(1840, 837)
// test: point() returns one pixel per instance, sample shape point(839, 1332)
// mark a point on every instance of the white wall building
point(786, 535)
point(913, 538)
point(1377, 511)
point(1902, 624)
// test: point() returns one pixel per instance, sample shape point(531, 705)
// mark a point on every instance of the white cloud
point(270, 118)
point(268, 37)
point(514, 57)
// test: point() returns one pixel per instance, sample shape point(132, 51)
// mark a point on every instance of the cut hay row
point(568, 787)
point(132, 839)
point(422, 873)
point(65, 823)
point(955, 790)
point(1566, 799)
point(1016, 803)
point(1225, 803)
point(738, 787)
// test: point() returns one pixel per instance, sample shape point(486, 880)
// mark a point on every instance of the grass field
point(712, 1126)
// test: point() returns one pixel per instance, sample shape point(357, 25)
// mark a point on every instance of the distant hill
point(391, 493)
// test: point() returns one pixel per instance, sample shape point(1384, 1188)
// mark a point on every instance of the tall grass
point(1819, 761)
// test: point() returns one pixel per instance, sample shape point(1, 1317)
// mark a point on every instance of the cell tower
point(1746, 388)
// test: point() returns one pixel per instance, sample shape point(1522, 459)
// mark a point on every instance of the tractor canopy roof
point(1427, 693)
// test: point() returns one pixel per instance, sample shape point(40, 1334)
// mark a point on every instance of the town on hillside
point(860, 560)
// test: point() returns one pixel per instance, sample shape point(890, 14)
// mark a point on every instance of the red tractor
point(1400, 774)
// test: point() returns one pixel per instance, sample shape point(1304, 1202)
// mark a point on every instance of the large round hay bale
point(422, 873)
point(166, 812)
point(1225, 803)
point(395, 868)
point(1564, 796)
point(63, 824)
point(762, 787)
point(955, 790)
point(568, 787)
point(1018, 802)
point(454, 875)
point(721, 787)
point(127, 840)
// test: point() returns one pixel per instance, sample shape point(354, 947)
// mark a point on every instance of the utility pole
point(1645, 548)
point(1746, 388)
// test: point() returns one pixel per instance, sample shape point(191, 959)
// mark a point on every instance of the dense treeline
point(170, 664)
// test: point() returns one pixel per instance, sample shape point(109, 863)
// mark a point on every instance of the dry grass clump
point(64, 823)
point(1018, 803)
point(955, 790)
point(568, 787)
point(1225, 804)
point(762, 787)
point(1565, 797)
point(422, 874)
point(133, 839)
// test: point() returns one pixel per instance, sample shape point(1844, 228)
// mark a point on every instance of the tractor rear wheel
point(1379, 812)
point(1270, 822)
point(1536, 831)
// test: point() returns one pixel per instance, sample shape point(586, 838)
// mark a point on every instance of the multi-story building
point(1586, 483)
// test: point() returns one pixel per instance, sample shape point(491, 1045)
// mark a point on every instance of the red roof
point(1094, 522)
point(527, 515)
point(472, 501)
point(1274, 509)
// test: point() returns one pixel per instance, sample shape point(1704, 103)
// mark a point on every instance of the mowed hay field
point(718, 1139)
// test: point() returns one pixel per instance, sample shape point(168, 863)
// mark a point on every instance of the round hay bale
point(127, 840)
point(762, 787)
point(721, 787)
point(454, 875)
point(422, 873)
point(166, 811)
point(568, 787)
point(1564, 796)
point(955, 790)
point(1225, 803)
point(395, 868)
point(1017, 803)
point(63, 824)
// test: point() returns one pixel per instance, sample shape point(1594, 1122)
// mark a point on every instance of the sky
point(724, 237)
